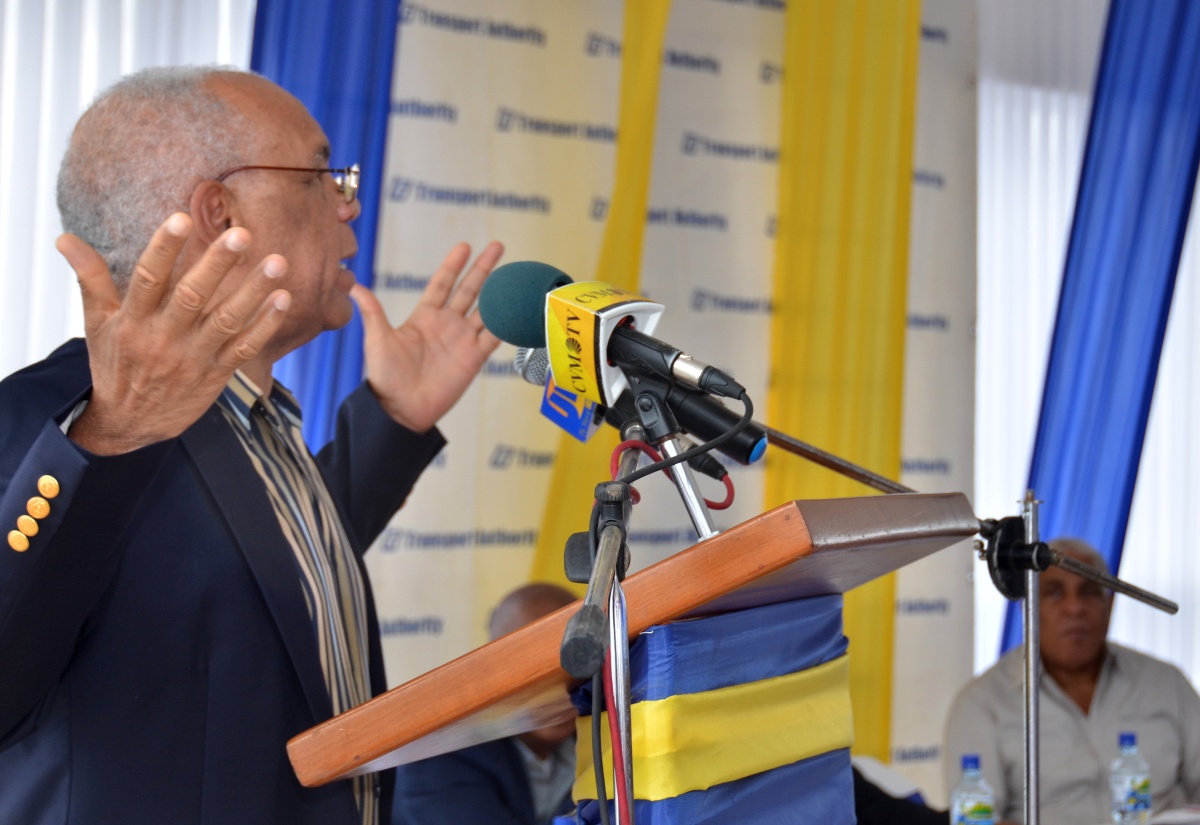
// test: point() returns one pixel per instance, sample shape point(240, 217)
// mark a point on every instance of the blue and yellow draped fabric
point(840, 284)
point(743, 717)
point(337, 58)
point(578, 468)
point(1135, 195)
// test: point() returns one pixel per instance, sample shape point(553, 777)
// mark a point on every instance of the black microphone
point(699, 415)
point(513, 306)
point(634, 350)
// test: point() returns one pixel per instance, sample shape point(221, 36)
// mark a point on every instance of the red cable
point(620, 798)
point(724, 505)
point(615, 461)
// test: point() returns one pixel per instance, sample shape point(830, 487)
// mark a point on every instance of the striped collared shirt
point(269, 428)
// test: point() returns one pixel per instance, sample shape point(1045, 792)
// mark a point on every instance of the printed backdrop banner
point(503, 126)
point(934, 610)
point(840, 285)
point(576, 467)
point(504, 119)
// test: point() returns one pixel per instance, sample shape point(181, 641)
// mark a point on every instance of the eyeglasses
point(346, 179)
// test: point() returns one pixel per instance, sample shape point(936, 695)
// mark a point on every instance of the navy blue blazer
point(481, 784)
point(156, 652)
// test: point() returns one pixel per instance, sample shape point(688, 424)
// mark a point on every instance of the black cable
point(695, 451)
point(598, 750)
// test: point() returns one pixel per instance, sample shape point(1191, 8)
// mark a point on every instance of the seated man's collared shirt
point(1134, 692)
point(550, 779)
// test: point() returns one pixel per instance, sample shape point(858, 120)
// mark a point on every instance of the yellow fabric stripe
point(695, 741)
point(840, 282)
point(578, 467)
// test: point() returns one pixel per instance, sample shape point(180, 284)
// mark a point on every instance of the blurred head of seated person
point(522, 780)
point(1073, 616)
point(523, 606)
point(1090, 691)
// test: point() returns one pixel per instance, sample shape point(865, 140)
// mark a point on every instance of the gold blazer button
point(18, 541)
point(27, 525)
point(48, 486)
point(38, 507)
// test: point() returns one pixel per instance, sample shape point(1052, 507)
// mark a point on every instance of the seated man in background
point(1090, 691)
point(522, 780)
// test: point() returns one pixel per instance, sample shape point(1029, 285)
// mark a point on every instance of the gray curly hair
point(138, 152)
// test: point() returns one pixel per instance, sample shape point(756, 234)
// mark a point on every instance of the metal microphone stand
point(661, 428)
point(601, 557)
point(1015, 556)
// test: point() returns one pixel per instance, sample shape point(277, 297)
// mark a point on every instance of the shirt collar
point(241, 396)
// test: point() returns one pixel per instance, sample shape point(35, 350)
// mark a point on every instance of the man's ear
point(211, 207)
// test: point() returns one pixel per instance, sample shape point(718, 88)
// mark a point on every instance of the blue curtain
point(336, 56)
point(1135, 192)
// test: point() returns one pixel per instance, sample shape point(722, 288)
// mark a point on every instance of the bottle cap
point(970, 762)
point(1127, 739)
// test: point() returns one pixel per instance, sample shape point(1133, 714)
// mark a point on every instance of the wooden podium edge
point(479, 695)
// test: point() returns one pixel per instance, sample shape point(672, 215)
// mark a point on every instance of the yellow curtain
point(840, 286)
point(578, 467)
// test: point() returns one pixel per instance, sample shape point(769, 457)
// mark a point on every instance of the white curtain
point(55, 55)
point(1037, 68)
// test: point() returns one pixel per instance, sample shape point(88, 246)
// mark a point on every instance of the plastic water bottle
point(972, 801)
point(1129, 784)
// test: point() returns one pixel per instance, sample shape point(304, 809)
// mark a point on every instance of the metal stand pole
point(619, 673)
point(601, 624)
point(693, 501)
point(832, 462)
point(1033, 662)
point(1015, 557)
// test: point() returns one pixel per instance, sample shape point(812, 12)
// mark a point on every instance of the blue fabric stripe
point(336, 57)
point(1135, 193)
point(736, 648)
point(731, 649)
point(819, 789)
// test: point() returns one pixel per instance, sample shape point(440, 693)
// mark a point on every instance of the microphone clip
point(585, 640)
point(614, 504)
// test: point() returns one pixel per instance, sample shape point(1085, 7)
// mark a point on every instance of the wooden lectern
point(515, 684)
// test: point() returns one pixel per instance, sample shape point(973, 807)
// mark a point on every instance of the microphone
point(532, 364)
point(699, 415)
point(512, 301)
point(591, 332)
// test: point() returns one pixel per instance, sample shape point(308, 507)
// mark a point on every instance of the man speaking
point(182, 587)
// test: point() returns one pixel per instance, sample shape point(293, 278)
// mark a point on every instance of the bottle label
point(1130, 793)
point(971, 812)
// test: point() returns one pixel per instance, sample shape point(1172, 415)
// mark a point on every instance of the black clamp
point(585, 640)
point(1009, 557)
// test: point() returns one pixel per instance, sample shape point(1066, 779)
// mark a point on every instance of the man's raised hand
point(419, 369)
point(161, 354)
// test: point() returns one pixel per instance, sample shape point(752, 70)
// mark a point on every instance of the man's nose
point(1073, 603)
point(348, 212)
